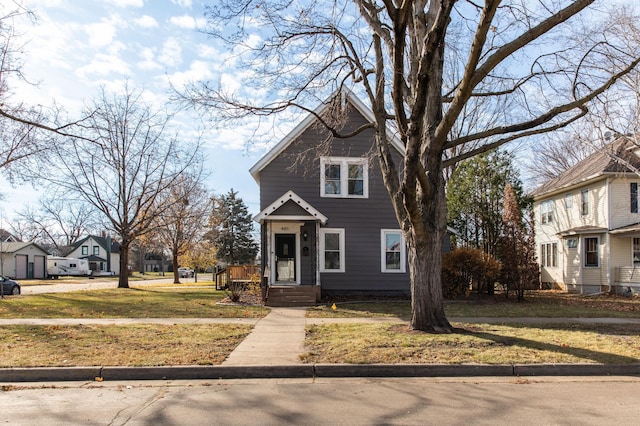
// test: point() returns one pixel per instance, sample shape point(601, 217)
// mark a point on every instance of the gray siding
point(297, 168)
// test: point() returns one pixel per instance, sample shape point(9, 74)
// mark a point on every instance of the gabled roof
point(102, 242)
point(7, 237)
point(308, 121)
point(309, 211)
point(12, 247)
point(601, 163)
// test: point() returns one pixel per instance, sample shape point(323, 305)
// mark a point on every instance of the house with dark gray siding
point(327, 223)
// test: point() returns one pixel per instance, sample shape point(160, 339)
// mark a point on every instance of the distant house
point(23, 260)
point(102, 253)
point(7, 237)
point(327, 223)
point(587, 223)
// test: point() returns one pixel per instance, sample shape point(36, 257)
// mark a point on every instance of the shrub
point(464, 267)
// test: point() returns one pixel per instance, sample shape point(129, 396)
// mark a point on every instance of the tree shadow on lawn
point(582, 353)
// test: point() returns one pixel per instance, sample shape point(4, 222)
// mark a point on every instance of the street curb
point(212, 372)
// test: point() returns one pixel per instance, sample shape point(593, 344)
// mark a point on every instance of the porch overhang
point(627, 231)
point(305, 212)
point(581, 230)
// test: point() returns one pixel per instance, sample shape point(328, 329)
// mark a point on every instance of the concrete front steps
point(292, 295)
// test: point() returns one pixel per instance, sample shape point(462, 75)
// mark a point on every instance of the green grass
point(473, 344)
point(152, 302)
point(124, 345)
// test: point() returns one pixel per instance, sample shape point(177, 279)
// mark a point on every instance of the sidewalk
point(273, 348)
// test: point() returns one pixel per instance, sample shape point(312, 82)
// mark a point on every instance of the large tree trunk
point(123, 279)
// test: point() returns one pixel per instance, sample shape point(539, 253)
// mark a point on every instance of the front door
point(285, 258)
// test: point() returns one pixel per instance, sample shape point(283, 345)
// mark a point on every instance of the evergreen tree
point(230, 230)
point(475, 196)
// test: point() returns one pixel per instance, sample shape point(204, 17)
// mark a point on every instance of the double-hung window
point(546, 211)
point(344, 177)
point(85, 250)
point(549, 255)
point(393, 251)
point(96, 250)
point(584, 202)
point(591, 252)
point(332, 250)
point(633, 195)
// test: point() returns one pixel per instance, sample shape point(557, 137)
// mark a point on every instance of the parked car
point(185, 272)
point(9, 286)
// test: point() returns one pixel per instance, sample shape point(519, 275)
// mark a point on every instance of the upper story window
point(85, 250)
point(584, 202)
point(344, 177)
point(568, 201)
point(633, 194)
point(96, 250)
point(546, 211)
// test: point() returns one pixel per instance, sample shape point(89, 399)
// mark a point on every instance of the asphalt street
point(355, 401)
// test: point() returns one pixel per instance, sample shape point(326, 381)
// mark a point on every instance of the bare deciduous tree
point(184, 220)
point(56, 221)
point(122, 164)
point(397, 54)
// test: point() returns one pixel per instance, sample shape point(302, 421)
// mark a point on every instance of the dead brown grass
point(127, 345)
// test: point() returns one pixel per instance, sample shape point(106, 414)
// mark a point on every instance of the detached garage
point(22, 260)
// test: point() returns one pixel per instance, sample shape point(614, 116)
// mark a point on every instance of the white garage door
point(38, 267)
point(21, 266)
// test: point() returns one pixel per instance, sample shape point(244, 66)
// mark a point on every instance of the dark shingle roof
point(611, 159)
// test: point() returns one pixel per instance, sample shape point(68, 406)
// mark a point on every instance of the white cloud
point(187, 22)
point(146, 21)
point(103, 65)
point(100, 34)
point(182, 3)
point(148, 62)
point(171, 54)
point(126, 3)
point(198, 71)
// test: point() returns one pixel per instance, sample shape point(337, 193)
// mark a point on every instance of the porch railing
point(237, 274)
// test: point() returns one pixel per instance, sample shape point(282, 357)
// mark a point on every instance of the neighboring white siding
point(621, 203)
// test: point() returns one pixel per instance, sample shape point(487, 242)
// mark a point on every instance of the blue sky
point(77, 46)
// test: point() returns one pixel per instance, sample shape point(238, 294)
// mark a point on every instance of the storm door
point(285, 257)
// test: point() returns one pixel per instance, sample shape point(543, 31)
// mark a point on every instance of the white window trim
point(584, 253)
point(549, 250)
point(340, 232)
point(383, 252)
point(344, 176)
point(547, 211)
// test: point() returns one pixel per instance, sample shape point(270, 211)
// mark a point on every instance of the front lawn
point(147, 302)
point(122, 345)
point(537, 304)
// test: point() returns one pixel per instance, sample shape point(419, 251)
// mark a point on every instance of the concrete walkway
point(277, 339)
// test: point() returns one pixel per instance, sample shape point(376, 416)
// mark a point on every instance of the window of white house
point(344, 177)
point(633, 194)
point(96, 250)
point(85, 250)
point(584, 202)
point(549, 254)
point(332, 250)
point(572, 243)
point(636, 251)
point(568, 201)
point(393, 251)
point(591, 252)
point(546, 211)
